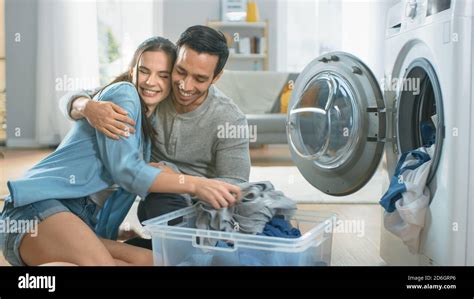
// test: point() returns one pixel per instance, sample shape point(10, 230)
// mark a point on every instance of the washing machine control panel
point(415, 14)
point(410, 9)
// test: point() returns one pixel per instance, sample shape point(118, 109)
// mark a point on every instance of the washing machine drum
point(336, 123)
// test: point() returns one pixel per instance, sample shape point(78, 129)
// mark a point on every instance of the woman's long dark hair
point(152, 44)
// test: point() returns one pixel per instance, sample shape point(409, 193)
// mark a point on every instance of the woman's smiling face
point(154, 77)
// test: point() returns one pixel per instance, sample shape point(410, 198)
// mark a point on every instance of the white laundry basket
point(184, 245)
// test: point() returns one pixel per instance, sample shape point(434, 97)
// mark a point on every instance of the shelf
point(238, 24)
point(254, 32)
point(248, 56)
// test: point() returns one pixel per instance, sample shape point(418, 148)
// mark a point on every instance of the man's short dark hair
point(203, 39)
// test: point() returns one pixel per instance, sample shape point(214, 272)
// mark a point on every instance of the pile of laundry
point(260, 202)
point(407, 198)
point(261, 211)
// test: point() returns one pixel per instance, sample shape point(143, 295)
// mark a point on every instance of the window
point(311, 28)
point(122, 26)
point(302, 34)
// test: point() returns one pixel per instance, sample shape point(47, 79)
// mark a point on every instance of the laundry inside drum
point(420, 112)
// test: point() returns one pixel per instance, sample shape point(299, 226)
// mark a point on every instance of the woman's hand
point(162, 166)
point(217, 193)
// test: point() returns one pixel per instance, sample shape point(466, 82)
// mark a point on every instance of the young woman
point(69, 192)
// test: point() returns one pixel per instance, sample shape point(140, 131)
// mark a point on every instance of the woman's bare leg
point(64, 264)
point(122, 263)
point(65, 237)
point(130, 254)
point(58, 264)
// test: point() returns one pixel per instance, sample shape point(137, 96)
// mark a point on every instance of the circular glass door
point(324, 122)
point(336, 123)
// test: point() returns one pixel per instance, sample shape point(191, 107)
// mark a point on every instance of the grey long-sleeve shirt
point(211, 141)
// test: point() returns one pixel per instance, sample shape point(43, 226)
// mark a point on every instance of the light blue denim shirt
point(87, 161)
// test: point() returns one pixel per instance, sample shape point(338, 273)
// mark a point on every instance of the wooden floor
point(349, 248)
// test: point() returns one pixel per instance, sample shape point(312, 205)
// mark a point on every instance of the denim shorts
point(12, 233)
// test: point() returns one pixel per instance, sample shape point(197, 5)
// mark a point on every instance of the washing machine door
point(336, 123)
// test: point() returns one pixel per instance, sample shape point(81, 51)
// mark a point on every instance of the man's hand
point(106, 117)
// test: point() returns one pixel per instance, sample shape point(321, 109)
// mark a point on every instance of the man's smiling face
point(192, 75)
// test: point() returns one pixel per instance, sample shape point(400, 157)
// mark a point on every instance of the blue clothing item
point(394, 193)
point(87, 161)
point(397, 186)
point(428, 133)
point(279, 227)
point(256, 257)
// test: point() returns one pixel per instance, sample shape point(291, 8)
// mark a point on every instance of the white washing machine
point(340, 125)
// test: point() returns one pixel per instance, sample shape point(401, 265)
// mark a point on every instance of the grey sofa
point(257, 94)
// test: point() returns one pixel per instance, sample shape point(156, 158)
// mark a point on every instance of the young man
point(188, 121)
